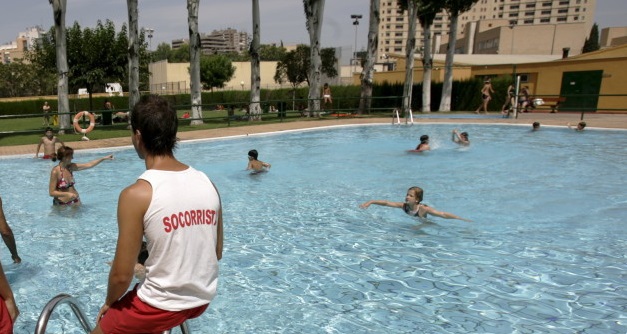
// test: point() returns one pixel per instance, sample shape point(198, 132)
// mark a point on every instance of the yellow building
point(592, 81)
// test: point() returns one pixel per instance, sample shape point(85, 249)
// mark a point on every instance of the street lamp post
point(355, 17)
point(242, 84)
point(149, 32)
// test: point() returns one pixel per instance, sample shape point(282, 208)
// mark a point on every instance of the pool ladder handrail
point(64, 298)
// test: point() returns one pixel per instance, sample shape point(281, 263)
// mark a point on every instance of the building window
point(546, 12)
point(513, 14)
point(561, 19)
point(528, 21)
point(564, 3)
point(545, 20)
point(514, 7)
point(529, 13)
point(546, 4)
point(531, 5)
point(576, 18)
point(562, 11)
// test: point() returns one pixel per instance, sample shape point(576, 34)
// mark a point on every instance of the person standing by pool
point(486, 96)
point(424, 144)
point(413, 207)
point(46, 110)
point(256, 165)
point(326, 95)
point(8, 308)
point(7, 236)
point(460, 138)
point(177, 209)
point(49, 140)
point(61, 186)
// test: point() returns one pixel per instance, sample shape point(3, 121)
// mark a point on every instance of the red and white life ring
point(92, 122)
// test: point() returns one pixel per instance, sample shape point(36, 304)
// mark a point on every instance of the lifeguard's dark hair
point(157, 122)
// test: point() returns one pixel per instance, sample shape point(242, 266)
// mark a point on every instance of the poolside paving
point(596, 120)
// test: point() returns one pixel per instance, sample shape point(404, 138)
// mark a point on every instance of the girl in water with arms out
point(413, 207)
point(61, 186)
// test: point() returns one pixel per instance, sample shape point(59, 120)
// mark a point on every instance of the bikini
point(412, 213)
point(63, 184)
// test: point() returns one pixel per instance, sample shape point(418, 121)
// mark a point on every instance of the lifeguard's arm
point(7, 236)
point(443, 214)
point(7, 294)
point(382, 203)
point(220, 236)
point(132, 206)
point(90, 164)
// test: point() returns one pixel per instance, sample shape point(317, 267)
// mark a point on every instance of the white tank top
point(180, 227)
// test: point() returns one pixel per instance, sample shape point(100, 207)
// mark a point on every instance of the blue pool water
point(545, 253)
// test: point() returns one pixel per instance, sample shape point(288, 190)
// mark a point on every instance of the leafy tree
point(293, 67)
point(411, 7)
point(58, 12)
point(271, 52)
point(21, 79)
point(215, 71)
point(179, 55)
point(133, 54)
point(592, 42)
point(162, 52)
point(255, 65)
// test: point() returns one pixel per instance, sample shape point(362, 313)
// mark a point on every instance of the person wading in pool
point(256, 165)
point(61, 186)
point(177, 210)
point(460, 138)
point(413, 207)
point(49, 140)
point(8, 308)
point(424, 144)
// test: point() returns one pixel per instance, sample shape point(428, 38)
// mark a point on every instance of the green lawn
point(30, 129)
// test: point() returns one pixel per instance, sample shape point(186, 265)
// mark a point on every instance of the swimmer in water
point(256, 165)
point(413, 206)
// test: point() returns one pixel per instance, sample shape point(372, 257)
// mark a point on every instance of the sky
point(281, 20)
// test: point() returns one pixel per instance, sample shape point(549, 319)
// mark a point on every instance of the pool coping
point(606, 121)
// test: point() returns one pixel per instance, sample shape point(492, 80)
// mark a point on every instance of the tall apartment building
point(25, 41)
point(497, 26)
point(219, 41)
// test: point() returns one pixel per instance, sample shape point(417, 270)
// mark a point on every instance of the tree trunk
point(314, 10)
point(194, 61)
point(427, 66)
point(133, 55)
point(58, 11)
point(447, 87)
point(410, 50)
point(368, 72)
point(255, 66)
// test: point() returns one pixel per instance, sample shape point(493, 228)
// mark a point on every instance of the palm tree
point(58, 11)
point(454, 8)
point(427, 12)
point(314, 10)
point(255, 70)
point(194, 61)
point(368, 71)
point(411, 7)
point(133, 54)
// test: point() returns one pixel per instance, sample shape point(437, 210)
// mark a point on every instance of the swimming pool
point(545, 253)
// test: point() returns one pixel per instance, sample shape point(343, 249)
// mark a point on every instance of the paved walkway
point(614, 121)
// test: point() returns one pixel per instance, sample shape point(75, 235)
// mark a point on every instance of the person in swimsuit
point(460, 138)
point(580, 126)
point(413, 207)
point(424, 144)
point(49, 141)
point(326, 95)
point(486, 90)
point(256, 165)
point(61, 187)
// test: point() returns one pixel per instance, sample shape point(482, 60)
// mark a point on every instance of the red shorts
point(46, 156)
point(131, 315)
point(6, 324)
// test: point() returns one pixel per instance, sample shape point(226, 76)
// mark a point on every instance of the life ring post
point(78, 128)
